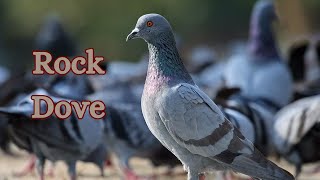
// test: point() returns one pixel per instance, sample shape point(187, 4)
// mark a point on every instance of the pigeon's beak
point(133, 34)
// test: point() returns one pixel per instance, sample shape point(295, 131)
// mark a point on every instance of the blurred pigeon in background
point(261, 73)
point(297, 132)
point(127, 136)
point(52, 38)
point(184, 119)
point(69, 140)
point(304, 64)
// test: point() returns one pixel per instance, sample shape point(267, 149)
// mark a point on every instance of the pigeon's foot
point(41, 176)
point(50, 172)
point(27, 169)
point(73, 177)
point(130, 175)
point(202, 177)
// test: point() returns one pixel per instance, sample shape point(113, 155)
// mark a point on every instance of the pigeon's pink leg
point(202, 177)
point(51, 170)
point(28, 168)
point(130, 175)
point(42, 176)
point(73, 177)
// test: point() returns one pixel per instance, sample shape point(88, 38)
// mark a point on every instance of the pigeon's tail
point(257, 166)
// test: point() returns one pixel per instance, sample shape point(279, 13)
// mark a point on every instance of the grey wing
point(294, 121)
point(197, 124)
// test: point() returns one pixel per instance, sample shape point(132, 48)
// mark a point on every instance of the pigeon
point(261, 72)
point(297, 132)
point(128, 136)
point(52, 139)
point(184, 119)
point(304, 64)
point(52, 38)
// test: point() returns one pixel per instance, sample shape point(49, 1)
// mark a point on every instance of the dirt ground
point(11, 164)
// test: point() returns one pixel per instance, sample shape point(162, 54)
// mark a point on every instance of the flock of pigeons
point(224, 115)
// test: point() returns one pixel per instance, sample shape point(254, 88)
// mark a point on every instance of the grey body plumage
point(260, 72)
point(184, 119)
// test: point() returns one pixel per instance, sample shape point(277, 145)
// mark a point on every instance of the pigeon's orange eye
point(149, 23)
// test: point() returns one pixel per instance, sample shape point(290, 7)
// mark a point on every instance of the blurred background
point(104, 25)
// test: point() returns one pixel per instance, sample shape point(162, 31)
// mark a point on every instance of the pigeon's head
point(262, 40)
point(264, 13)
point(53, 38)
point(151, 28)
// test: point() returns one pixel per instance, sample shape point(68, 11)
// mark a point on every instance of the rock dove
point(184, 119)
point(53, 38)
point(69, 140)
point(261, 72)
point(297, 132)
point(304, 64)
point(127, 136)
